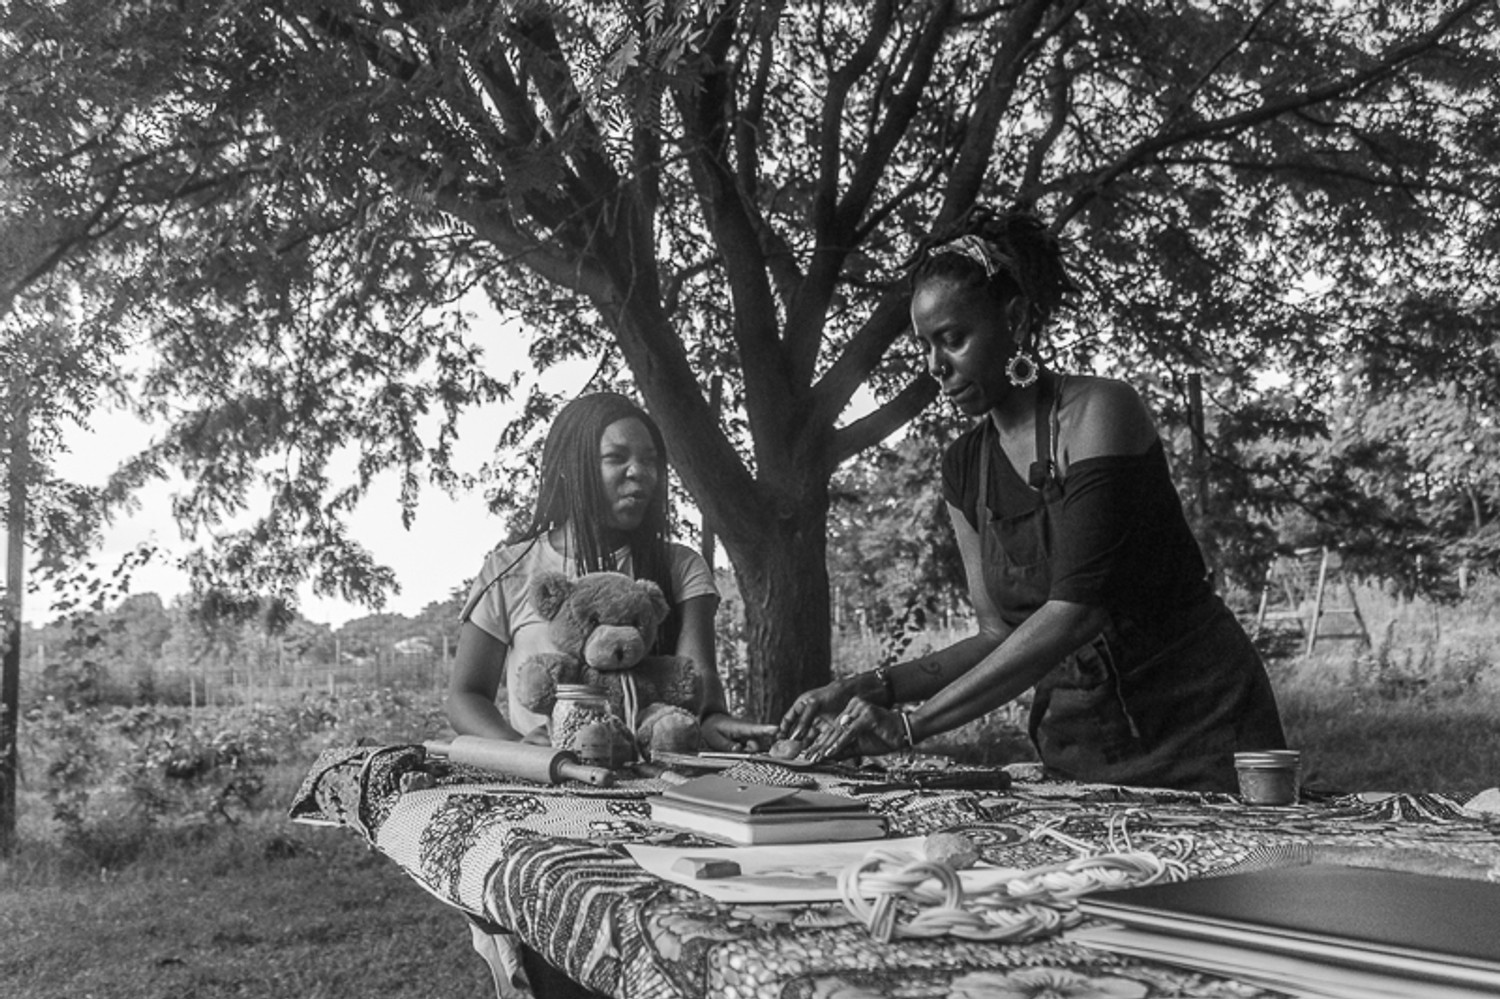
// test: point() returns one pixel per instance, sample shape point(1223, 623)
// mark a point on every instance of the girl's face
point(629, 472)
point(968, 341)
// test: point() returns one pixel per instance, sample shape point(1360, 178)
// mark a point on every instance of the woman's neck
point(565, 540)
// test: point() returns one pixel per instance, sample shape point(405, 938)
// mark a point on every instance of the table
point(549, 865)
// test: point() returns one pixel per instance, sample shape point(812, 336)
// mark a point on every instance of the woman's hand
point(861, 729)
point(725, 733)
point(805, 711)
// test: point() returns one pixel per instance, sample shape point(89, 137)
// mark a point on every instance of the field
point(156, 860)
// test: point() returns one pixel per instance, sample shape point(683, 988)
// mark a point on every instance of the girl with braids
point(601, 504)
point(1085, 579)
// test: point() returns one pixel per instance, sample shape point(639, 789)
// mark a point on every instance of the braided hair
point(1009, 255)
point(571, 490)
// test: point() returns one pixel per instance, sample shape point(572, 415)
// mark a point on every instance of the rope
point(632, 699)
point(1000, 904)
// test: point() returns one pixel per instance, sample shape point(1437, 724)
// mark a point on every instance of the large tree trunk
point(783, 580)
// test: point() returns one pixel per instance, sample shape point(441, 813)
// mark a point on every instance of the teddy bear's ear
point(549, 591)
point(659, 606)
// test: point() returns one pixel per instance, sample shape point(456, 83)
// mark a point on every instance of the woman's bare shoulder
point(1103, 416)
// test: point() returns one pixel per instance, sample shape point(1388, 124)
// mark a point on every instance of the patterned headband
point(978, 249)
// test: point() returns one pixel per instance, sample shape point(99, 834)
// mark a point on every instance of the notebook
point(1413, 925)
point(749, 813)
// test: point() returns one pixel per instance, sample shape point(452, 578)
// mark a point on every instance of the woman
point(1084, 576)
point(601, 504)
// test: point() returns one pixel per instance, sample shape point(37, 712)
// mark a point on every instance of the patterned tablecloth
point(548, 863)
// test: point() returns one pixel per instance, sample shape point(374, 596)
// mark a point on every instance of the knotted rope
point(998, 904)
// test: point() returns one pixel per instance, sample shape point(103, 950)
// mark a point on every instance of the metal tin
point(1269, 777)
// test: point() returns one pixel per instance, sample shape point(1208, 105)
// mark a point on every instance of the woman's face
point(967, 341)
point(629, 471)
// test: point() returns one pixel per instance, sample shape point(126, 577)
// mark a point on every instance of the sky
point(444, 547)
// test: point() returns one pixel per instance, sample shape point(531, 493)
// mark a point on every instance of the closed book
point(749, 813)
point(1419, 926)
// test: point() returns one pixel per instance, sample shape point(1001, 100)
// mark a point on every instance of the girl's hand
point(801, 717)
point(725, 733)
point(861, 729)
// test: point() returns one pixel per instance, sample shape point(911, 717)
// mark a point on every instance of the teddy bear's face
point(605, 618)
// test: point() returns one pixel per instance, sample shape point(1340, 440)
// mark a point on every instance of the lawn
point(126, 900)
point(268, 911)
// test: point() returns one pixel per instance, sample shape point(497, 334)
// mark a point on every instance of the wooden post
point(1196, 425)
point(1317, 611)
point(15, 586)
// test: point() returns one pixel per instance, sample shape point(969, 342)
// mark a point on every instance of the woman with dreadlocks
point(1086, 581)
point(601, 504)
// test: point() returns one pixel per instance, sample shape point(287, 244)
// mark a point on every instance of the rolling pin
point(519, 759)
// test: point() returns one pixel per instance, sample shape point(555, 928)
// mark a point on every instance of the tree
point(684, 189)
point(890, 544)
point(76, 170)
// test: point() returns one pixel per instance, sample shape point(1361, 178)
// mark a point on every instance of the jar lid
point(578, 691)
point(1269, 759)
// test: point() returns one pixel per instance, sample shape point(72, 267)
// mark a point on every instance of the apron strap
point(980, 513)
point(1048, 430)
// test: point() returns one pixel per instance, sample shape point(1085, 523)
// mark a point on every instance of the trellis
point(1310, 588)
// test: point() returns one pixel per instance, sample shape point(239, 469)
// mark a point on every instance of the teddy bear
point(603, 625)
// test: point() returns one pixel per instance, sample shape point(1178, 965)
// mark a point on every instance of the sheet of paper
point(792, 872)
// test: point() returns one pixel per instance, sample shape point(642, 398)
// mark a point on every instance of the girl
point(601, 504)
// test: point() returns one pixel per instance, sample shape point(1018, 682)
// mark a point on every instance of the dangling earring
point(1022, 369)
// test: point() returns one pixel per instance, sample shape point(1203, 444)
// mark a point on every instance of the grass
point(267, 908)
point(265, 912)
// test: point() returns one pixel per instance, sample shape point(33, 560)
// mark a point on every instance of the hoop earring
point(1022, 369)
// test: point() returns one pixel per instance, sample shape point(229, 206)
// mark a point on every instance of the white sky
point(445, 545)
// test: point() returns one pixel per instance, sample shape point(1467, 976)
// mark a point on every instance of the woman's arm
point(1056, 629)
point(916, 679)
point(971, 677)
point(721, 730)
point(919, 679)
point(478, 666)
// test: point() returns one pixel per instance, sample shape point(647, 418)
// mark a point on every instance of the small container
point(579, 706)
point(1269, 777)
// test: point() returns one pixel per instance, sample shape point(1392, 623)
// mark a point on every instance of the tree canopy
point(690, 189)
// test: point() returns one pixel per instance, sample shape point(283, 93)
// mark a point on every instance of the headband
point(978, 249)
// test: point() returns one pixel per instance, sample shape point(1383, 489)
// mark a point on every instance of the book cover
point(749, 814)
point(746, 831)
point(745, 798)
point(1417, 925)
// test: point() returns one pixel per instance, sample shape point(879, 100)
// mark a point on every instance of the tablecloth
point(549, 864)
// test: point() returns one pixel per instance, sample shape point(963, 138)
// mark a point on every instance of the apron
point(1161, 702)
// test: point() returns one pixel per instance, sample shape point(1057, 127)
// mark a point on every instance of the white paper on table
point(784, 872)
point(796, 872)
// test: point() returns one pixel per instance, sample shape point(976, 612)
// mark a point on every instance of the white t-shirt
point(500, 602)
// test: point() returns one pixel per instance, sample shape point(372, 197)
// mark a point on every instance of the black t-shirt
point(1121, 541)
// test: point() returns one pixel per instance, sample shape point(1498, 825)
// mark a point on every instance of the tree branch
point(767, 390)
point(874, 427)
point(1147, 149)
point(1023, 34)
point(836, 224)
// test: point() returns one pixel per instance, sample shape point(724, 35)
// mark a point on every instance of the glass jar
point(580, 706)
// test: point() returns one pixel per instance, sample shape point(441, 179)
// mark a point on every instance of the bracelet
point(911, 742)
point(883, 676)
